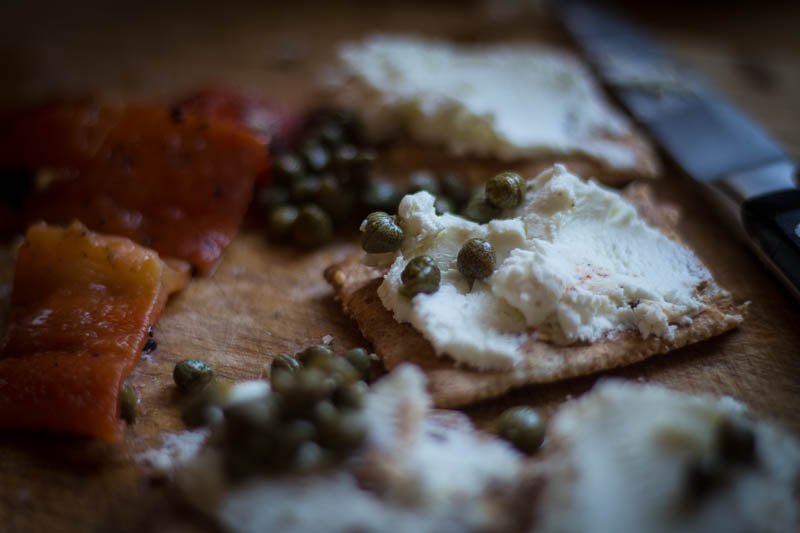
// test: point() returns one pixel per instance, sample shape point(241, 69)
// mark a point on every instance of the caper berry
point(421, 275)
point(128, 403)
point(281, 220)
point(361, 360)
point(479, 210)
point(522, 427)
point(381, 233)
point(381, 195)
point(506, 190)
point(316, 156)
point(476, 259)
point(314, 351)
point(305, 188)
point(283, 362)
point(350, 396)
point(313, 227)
point(736, 443)
point(443, 205)
point(192, 375)
point(204, 408)
point(288, 167)
point(455, 189)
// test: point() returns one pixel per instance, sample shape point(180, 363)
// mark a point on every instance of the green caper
point(350, 396)
point(381, 195)
point(205, 407)
point(271, 197)
point(344, 431)
point(443, 205)
point(522, 427)
point(335, 200)
point(736, 443)
point(313, 227)
point(344, 118)
point(283, 362)
point(305, 188)
point(244, 418)
point(361, 360)
point(288, 167)
point(306, 355)
point(192, 375)
point(381, 233)
point(479, 210)
point(128, 403)
point(454, 187)
point(506, 190)
point(476, 259)
point(308, 457)
point(330, 134)
point(316, 156)
point(421, 275)
point(281, 220)
point(308, 386)
point(359, 169)
point(423, 180)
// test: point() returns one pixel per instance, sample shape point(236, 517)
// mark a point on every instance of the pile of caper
point(323, 184)
point(311, 419)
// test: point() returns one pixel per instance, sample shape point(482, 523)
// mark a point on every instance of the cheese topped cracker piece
point(508, 102)
point(632, 457)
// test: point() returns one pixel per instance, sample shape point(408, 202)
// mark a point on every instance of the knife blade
point(745, 172)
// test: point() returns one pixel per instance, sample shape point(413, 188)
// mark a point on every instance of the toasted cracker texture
point(452, 385)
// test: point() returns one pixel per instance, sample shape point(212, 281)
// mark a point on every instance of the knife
point(749, 177)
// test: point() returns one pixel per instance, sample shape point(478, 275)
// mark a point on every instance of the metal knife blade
point(743, 170)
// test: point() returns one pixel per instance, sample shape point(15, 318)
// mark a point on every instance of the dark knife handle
point(772, 221)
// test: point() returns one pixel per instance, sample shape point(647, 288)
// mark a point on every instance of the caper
point(361, 360)
point(192, 375)
point(283, 362)
point(204, 408)
point(334, 200)
point(344, 118)
point(313, 227)
point(281, 220)
point(243, 418)
point(423, 180)
point(455, 189)
point(305, 188)
point(271, 197)
point(308, 386)
point(288, 167)
point(522, 427)
point(381, 233)
point(128, 403)
point(421, 275)
point(381, 195)
point(315, 351)
point(316, 156)
point(344, 431)
point(296, 432)
point(505, 190)
point(479, 210)
point(308, 457)
point(330, 134)
point(335, 367)
point(736, 443)
point(351, 395)
point(356, 168)
point(476, 259)
point(443, 205)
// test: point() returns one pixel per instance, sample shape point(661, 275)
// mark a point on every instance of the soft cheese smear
point(575, 263)
point(623, 456)
point(497, 101)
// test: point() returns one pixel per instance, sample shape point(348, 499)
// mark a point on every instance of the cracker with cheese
point(487, 108)
point(582, 283)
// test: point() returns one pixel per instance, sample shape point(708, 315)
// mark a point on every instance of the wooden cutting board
point(264, 299)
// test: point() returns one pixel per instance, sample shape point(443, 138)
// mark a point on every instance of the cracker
point(452, 385)
point(400, 158)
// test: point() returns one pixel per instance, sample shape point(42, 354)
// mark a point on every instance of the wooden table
point(264, 299)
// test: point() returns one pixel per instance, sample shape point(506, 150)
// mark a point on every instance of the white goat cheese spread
point(575, 263)
point(624, 456)
point(504, 101)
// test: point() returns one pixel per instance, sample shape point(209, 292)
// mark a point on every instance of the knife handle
point(772, 221)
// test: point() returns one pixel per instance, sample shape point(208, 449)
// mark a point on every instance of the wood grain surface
point(265, 299)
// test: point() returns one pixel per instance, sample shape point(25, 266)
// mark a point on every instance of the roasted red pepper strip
point(81, 306)
point(179, 185)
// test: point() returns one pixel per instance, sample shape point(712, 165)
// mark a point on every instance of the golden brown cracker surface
point(453, 385)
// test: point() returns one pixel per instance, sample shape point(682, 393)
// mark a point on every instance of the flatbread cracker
point(401, 158)
point(451, 385)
